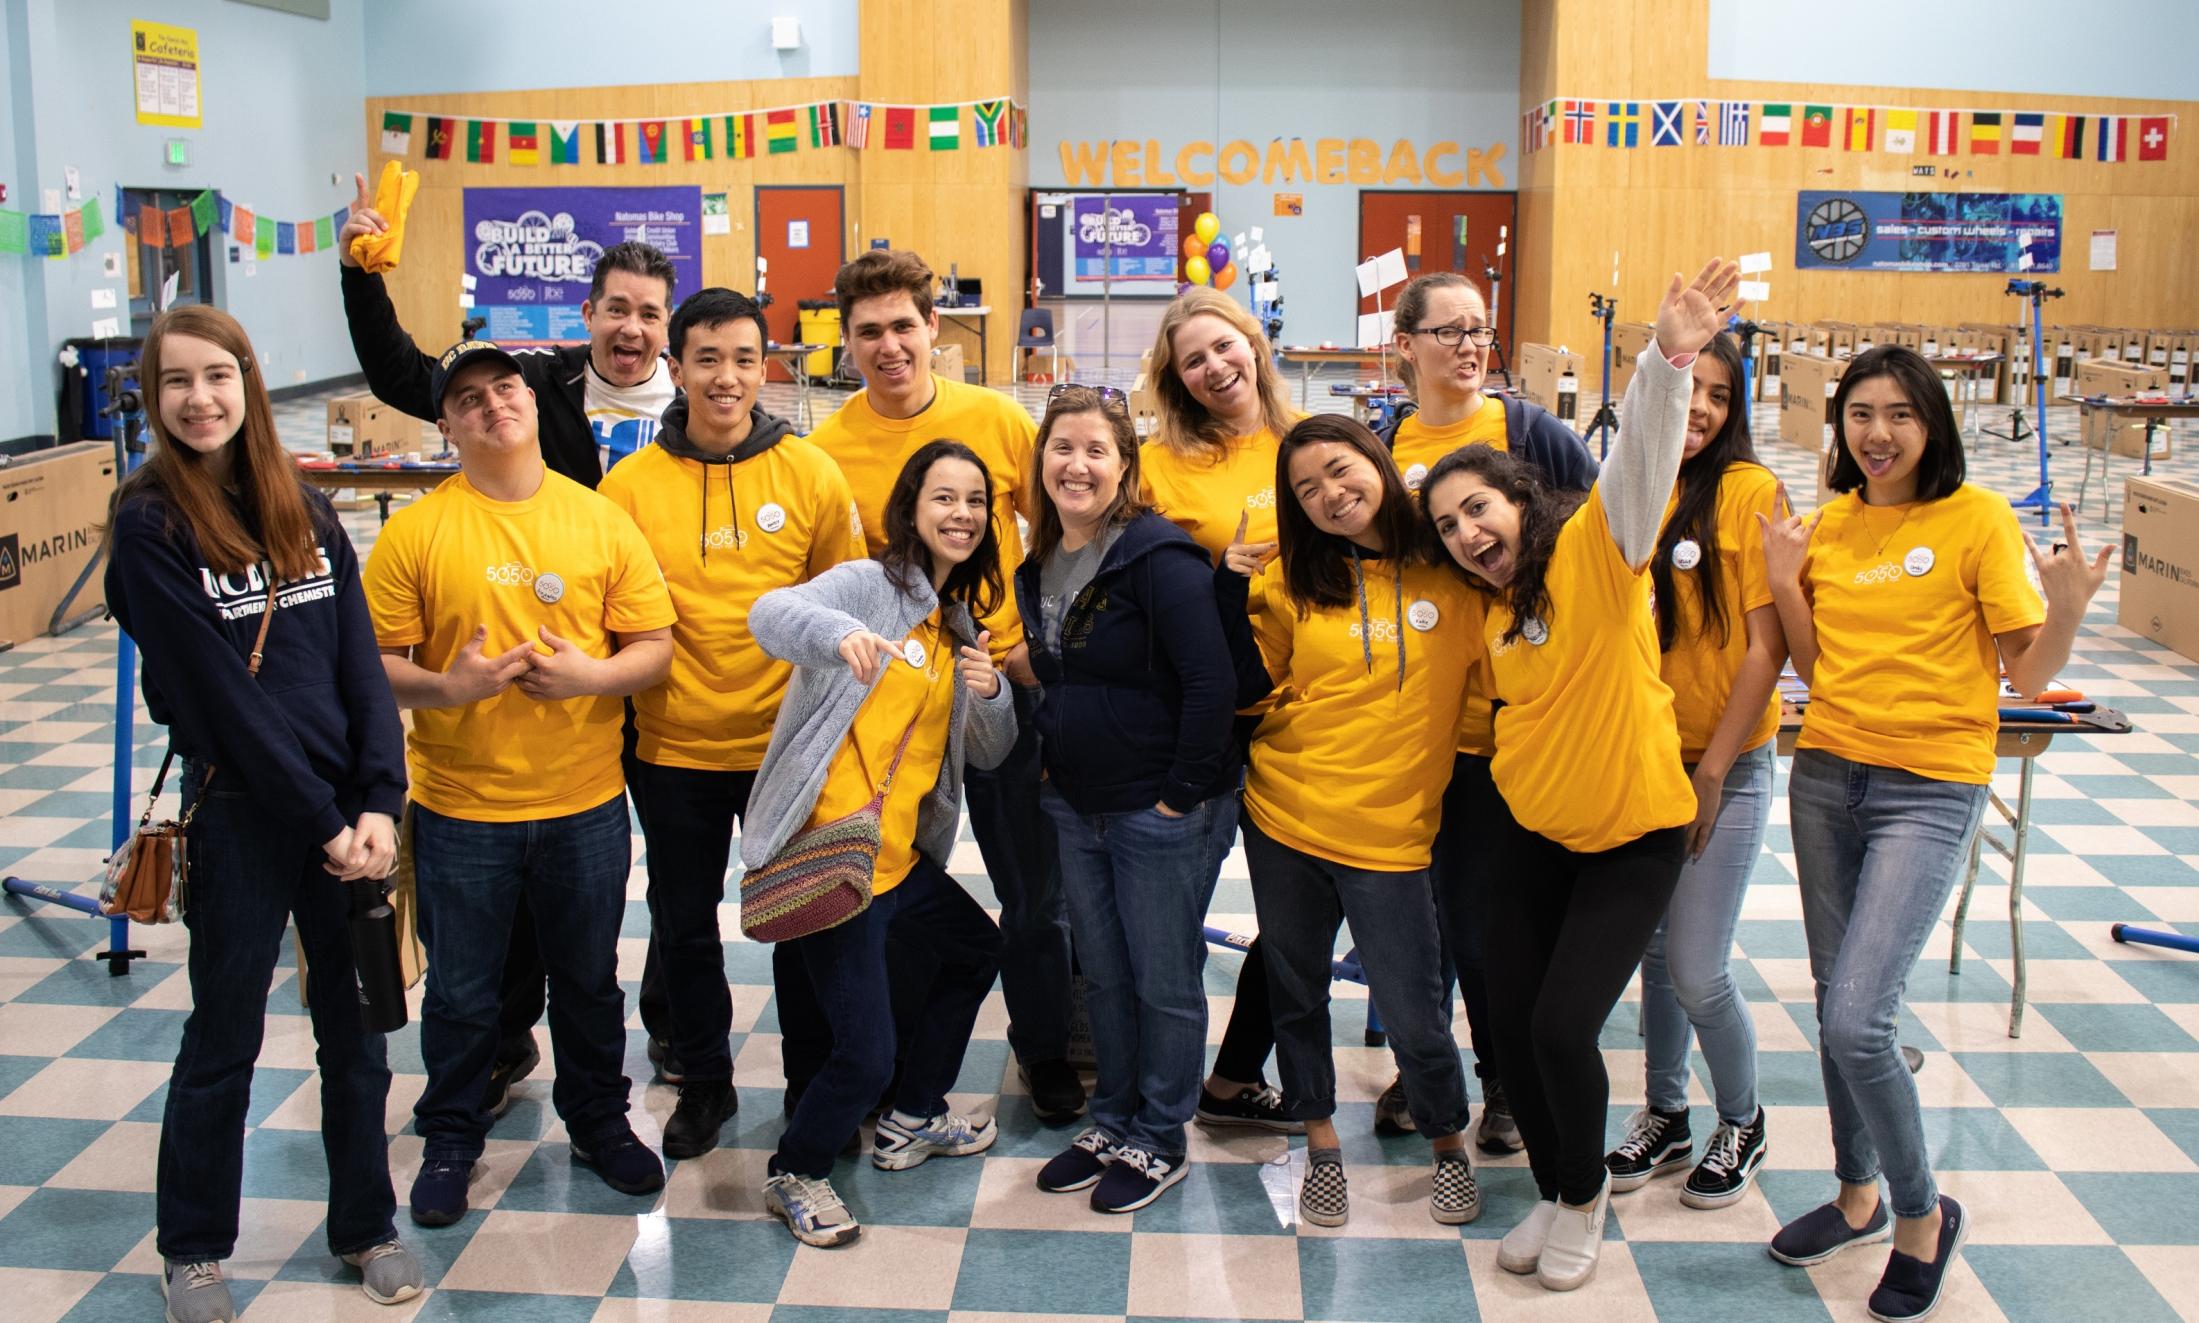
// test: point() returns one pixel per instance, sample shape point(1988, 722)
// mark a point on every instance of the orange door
point(798, 232)
point(1389, 220)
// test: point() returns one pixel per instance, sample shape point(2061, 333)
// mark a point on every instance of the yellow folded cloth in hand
point(393, 196)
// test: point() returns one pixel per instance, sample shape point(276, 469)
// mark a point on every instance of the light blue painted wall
point(2123, 48)
point(282, 98)
point(16, 410)
point(1217, 70)
point(423, 46)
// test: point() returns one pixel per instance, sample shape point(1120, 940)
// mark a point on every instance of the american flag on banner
point(858, 134)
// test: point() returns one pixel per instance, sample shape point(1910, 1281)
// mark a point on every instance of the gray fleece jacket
point(804, 625)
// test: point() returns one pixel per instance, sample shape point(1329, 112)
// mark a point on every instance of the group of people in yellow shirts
point(1505, 712)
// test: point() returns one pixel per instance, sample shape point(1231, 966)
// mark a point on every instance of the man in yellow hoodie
point(734, 505)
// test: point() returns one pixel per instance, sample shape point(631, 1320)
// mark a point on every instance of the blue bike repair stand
point(1606, 422)
point(1746, 332)
point(130, 438)
point(2041, 497)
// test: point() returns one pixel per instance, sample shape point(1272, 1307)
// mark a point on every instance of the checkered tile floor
point(2077, 1146)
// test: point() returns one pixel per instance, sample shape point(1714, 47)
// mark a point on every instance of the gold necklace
point(1865, 519)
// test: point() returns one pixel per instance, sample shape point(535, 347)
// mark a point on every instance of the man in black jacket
point(605, 395)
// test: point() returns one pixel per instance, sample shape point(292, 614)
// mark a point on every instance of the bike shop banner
point(1138, 231)
point(530, 251)
point(1997, 233)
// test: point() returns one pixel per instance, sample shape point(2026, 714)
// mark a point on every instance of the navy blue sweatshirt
point(1534, 434)
point(315, 737)
point(1135, 708)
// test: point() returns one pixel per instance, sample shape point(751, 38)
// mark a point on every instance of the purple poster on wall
point(1137, 231)
point(531, 251)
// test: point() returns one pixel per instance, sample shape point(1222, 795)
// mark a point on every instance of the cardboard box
point(1771, 346)
point(362, 427)
point(1806, 387)
point(1991, 338)
point(1551, 377)
point(2160, 563)
point(2182, 348)
point(1628, 340)
point(1836, 338)
point(2134, 345)
point(1145, 406)
point(52, 503)
point(2104, 377)
point(2124, 436)
point(947, 362)
point(1894, 333)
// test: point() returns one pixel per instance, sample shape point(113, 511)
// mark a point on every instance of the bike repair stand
point(1606, 422)
point(2037, 293)
point(129, 405)
point(1494, 274)
point(1746, 332)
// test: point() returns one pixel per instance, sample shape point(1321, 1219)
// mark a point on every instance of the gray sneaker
point(196, 1293)
point(1392, 1114)
point(388, 1272)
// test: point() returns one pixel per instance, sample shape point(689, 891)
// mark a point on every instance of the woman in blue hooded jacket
point(1141, 774)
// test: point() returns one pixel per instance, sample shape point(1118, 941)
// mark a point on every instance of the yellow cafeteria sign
point(1126, 163)
point(165, 63)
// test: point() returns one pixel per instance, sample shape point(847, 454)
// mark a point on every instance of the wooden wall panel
point(1665, 208)
point(425, 287)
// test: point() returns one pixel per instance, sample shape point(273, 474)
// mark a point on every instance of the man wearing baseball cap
point(515, 608)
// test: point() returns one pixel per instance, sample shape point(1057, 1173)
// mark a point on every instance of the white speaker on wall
point(786, 34)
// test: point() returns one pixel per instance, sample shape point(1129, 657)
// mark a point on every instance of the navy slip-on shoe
point(1823, 1232)
point(1910, 1288)
point(623, 1161)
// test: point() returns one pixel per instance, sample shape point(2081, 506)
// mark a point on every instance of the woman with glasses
point(1141, 782)
point(1210, 470)
point(1443, 340)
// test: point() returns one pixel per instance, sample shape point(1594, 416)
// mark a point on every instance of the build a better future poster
point(530, 251)
point(1996, 233)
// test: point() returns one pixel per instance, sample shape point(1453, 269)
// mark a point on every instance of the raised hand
point(975, 665)
point(867, 654)
point(1691, 315)
point(2067, 579)
point(1786, 541)
point(364, 220)
point(473, 675)
point(565, 672)
point(1247, 558)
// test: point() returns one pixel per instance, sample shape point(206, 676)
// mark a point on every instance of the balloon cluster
point(1206, 254)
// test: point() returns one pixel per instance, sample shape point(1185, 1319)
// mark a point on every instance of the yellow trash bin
point(819, 324)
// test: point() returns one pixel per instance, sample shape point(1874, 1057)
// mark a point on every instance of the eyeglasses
point(1451, 337)
point(1109, 397)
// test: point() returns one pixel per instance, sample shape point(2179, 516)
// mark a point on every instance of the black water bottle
point(374, 956)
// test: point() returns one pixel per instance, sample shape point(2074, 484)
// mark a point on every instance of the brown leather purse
point(148, 878)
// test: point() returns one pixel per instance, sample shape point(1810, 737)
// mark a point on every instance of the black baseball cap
point(460, 356)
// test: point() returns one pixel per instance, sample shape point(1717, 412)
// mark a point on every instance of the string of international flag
point(1900, 130)
point(727, 135)
point(64, 234)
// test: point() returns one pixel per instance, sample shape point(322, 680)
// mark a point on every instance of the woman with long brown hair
point(222, 563)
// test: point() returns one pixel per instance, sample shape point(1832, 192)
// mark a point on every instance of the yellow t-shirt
point(1204, 495)
point(1588, 753)
point(1700, 669)
point(724, 536)
point(565, 558)
point(1416, 447)
point(1348, 765)
point(1907, 599)
point(871, 449)
point(923, 692)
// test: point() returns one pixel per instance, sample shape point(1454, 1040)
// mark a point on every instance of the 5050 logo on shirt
point(1885, 573)
point(511, 574)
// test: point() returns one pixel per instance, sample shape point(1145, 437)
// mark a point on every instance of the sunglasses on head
point(1109, 397)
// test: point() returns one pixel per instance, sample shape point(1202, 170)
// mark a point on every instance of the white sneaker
point(811, 1210)
point(1521, 1247)
point(1576, 1238)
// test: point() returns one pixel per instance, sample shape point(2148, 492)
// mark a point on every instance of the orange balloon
point(1192, 247)
point(1226, 277)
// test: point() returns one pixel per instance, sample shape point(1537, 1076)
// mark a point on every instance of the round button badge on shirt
point(549, 587)
point(771, 517)
point(1534, 631)
point(1422, 615)
point(913, 653)
point(1918, 562)
point(1687, 553)
point(1414, 476)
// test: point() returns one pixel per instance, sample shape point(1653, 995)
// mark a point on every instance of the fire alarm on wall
point(786, 34)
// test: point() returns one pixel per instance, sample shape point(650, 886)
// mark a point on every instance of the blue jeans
point(1138, 886)
point(471, 874)
point(249, 874)
point(1686, 982)
point(1016, 840)
point(1878, 850)
point(846, 968)
point(1301, 901)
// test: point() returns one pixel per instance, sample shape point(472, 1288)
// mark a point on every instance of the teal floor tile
point(135, 1298)
point(938, 1193)
point(1085, 1272)
point(135, 1035)
point(500, 1306)
point(38, 1146)
point(437, 1248)
point(1990, 938)
point(829, 1314)
point(61, 934)
point(2141, 1208)
point(2112, 1028)
point(1725, 1284)
point(2057, 1283)
point(14, 1070)
point(551, 1182)
point(1223, 1198)
point(2076, 904)
point(707, 1259)
point(1385, 1281)
point(1975, 1139)
point(2163, 982)
point(87, 982)
point(2040, 1079)
point(76, 1230)
point(2180, 1124)
point(285, 1164)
